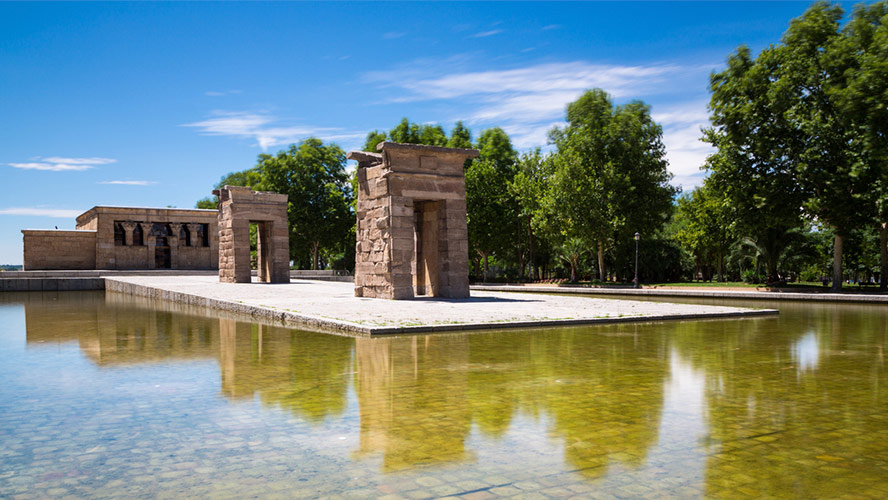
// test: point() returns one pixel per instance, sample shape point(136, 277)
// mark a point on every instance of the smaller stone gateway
point(238, 208)
point(412, 237)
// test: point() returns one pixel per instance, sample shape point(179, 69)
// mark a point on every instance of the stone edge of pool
point(708, 294)
point(347, 327)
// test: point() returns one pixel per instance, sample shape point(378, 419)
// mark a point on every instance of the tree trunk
point(314, 256)
point(883, 246)
point(573, 272)
point(534, 270)
point(520, 253)
point(601, 272)
point(773, 276)
point(721, 267)
point(486, 268)
point(837, 264)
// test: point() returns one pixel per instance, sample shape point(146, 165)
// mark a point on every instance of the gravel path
point(333, 305)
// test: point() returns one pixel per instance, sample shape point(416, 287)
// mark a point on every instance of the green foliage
point(571, 252)
point(208, 203)
point(610, 177)
point(313, 176)
point(373, 138)
point(704, 221)
point(489, 204)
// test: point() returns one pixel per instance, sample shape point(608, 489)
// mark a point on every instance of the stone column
point(149, 240)
point(128, 228)
point(175, 229)
point(194, 234)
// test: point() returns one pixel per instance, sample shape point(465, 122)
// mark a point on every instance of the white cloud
point(391, 35)
point(527, 102)
point(265, 130)
point(41, 212)
point(485, 34)
point(551, 27)
point(130, 183)
point(682, 125)
point(61, 164)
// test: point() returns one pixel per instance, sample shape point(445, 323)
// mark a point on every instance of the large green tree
point(754, 166)
point(489, 205)
point(864, 47)
point(610, 176)
point(313, 175)
point(704, 217)
point(812, 76)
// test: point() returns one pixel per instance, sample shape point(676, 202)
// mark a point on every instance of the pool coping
point(350, 328)
point(696, 293)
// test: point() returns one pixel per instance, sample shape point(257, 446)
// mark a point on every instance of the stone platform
point(332, 306)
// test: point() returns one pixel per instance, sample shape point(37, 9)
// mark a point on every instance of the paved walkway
point(333, 306)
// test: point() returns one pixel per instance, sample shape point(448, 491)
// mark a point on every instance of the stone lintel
point(423, 148)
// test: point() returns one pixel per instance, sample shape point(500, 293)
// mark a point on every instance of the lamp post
point(635, 281)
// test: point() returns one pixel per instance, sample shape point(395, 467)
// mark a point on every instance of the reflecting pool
point(114, 396)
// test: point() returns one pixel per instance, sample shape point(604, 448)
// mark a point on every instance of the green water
point(116, 397)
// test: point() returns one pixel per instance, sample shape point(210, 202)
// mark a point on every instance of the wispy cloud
point(391, 35)
point(485, 34)
point(551, 27)
point(682, 124)
point(265, 129)
point(221, 93)
point(526, 101)
point(41, 212)
point(60, 164)
point(130, 183)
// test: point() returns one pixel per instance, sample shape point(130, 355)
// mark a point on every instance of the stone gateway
point(411, 230)
point(238, 208)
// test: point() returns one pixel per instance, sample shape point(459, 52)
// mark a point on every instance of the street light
point(635, 281)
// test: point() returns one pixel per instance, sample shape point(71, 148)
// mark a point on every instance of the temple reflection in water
point(753, 411)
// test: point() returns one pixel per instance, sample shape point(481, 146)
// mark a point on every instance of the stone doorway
point(412, 238)
point(163, 258)
point(239, 207)
point(425, 229)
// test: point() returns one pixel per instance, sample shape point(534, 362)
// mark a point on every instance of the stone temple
point(127, 238)
point(412, 238)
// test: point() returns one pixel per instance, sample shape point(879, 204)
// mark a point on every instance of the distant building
point(128, 238)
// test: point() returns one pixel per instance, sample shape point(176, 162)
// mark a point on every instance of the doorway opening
point(425, 265)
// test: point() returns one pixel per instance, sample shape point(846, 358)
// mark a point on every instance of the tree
point(414, 133)
point(313, 176)
point(704, 219)
point(373, 138)
point(571, 251)
point(460, 137)
point(610, 175)
point(754, 166)
point(813, 76)
point(865, 47)
point(489, 206)
point(533, 171)
point(250, 178)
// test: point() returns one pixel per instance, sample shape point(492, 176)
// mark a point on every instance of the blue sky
point(149, 104)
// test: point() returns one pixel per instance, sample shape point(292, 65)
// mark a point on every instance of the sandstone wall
point(412, 237)
point(238, 207)
point(54, 249)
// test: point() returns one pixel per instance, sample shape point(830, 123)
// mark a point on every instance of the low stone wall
point(56, 249)
point(50, 284)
